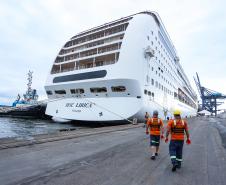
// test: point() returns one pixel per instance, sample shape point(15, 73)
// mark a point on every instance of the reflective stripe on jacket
point(177, 129)
point(155, 125)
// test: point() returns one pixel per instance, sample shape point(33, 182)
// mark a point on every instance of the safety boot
point(174, 168)
point(153, 157)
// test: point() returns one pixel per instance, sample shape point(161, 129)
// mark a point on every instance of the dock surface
point(117, 157)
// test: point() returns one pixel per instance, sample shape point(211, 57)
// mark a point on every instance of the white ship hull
point(111, 109)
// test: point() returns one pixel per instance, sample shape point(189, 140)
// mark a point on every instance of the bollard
point(134, 121)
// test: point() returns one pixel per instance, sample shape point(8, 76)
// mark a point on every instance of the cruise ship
point(117, 72)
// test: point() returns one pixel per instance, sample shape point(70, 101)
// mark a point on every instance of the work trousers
point(154, 140)
point(175, 150)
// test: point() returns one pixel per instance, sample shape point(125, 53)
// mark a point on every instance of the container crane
point(209, 97)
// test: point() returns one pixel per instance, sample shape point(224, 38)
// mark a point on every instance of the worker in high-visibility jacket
point(155, 128)
point(146, 116)
point(177, 127)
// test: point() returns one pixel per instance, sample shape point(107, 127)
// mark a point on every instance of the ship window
point(148, 78)
point(98, 89)
point(77, 91)
point(152, 81)
point(149, 93)
point(73, 91)
point(60, 92)
point(145, 91)
point(152, 94)
point(80, 76)
point(49, 92)
point(118, 89)
point(55, 69)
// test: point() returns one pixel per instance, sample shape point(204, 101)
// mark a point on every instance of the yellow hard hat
point(177, 112)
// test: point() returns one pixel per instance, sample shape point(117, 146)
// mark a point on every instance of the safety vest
point(155, 126)
point(177, 130)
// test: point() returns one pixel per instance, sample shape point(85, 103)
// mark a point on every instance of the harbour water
point(25, 128)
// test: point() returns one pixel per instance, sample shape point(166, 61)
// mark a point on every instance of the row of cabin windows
point(152, 68)
point(149, 93)
point(158, 85)
point(92, 44)
point(92, 90)
point(163, 49)
point(100, 34)
point(90, 52)
point(172, 64)
point(181, 96)
point(107, 59)
point(101, 27)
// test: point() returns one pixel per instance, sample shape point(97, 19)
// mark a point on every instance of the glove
point(188, 141)
point(166, 140)
point(162, 136)
point(147, 132)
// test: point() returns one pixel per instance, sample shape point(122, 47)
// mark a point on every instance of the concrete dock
point(116, 155)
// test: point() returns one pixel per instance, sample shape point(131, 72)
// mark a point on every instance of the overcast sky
point(33, 32)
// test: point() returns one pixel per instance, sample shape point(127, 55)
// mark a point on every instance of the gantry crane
point(209, 97)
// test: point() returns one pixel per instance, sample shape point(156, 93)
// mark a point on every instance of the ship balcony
point(100, 60)
point(96, 39)
point(92, 45)
point(99, 34)
point(91, 52)
point(101, 28)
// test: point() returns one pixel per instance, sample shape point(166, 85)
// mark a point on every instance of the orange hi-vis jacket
point(146, 118)
point(177, 129)
point(155, 125)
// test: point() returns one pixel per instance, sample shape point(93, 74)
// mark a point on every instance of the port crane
point(210, 98)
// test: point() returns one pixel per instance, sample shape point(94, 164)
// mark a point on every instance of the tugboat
point(28, 106)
